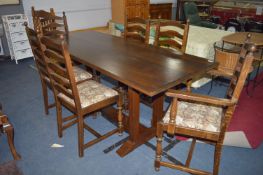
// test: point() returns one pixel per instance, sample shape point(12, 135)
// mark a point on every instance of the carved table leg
point(10, 136)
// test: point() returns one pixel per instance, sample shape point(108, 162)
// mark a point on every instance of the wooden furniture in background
point(204, 7)
point(227, 61)
point(161, 11)
point(233, 9)
point(239, 38)
point(17, 40)
point(136, 66)
point(48, 24)
point(172, 35)
point(81, 99)
point(7, 128)
point(41, 64)
point(130, 8)
point(202, 117)
point(137, 29)
point(257, 39)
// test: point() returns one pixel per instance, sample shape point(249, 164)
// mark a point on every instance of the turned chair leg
point(120, 116)
point(190, 154)
point(217, 156)
point(158, 156)
point(45, 97)
point(10, 136)
point(81, 135)
point(59, 119)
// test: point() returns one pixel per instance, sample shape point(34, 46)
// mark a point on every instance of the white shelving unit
point(17, 39)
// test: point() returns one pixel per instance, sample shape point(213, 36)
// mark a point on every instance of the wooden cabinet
point(161, 11)
point(131, 8)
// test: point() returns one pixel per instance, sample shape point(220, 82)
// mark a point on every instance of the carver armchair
point(202, 117)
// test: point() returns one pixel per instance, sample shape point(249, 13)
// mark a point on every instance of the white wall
point(81, 14)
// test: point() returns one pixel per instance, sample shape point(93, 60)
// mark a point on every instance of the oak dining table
point(144, 69)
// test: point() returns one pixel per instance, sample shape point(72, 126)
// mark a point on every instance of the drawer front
point(21, 45)
point(18, 36)
point(16, 27)
point(20, 54)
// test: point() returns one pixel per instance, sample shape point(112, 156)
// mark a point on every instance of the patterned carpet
point(247, 122)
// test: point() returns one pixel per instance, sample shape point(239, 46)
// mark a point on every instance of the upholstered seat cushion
point(81, 74)
point(197, 116)
point(91, 92)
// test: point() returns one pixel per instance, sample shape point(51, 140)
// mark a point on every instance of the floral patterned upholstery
point(91, 92)
point(81, 74)
point(197, 116)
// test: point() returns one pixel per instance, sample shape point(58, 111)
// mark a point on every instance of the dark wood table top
point(239, 38)
point(148, 69)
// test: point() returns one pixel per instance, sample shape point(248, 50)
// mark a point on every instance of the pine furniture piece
point(137, 29)
point(17, 40)
point(41, 63)
point(7, 128)
point(161, 11)
point(81, 99)
point(203, 117)
point(130, 8)
point(143, 68)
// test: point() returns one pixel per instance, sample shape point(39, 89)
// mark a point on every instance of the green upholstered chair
point(191, 13)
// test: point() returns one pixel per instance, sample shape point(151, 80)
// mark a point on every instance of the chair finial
point(61, 36)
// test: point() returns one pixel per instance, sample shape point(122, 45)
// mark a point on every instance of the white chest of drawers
point(17, 39)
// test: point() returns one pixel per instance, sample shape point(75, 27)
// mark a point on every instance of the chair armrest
point(200, 98)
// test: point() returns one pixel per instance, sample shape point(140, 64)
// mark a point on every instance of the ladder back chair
point(203, 117)
point(81, 99)
point(38, 50)
point(48, 24)
point(137, 29)
point(172, 35)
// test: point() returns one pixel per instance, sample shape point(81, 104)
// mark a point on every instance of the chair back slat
point(61, 71)
point(59, 79)
point(38, 50)
point(172, 34)
point(46, 22)
point(170, 44)
point(63, 90)
point(54, 55)
point(51, 26)
point(137, 29)
point(243, 68)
